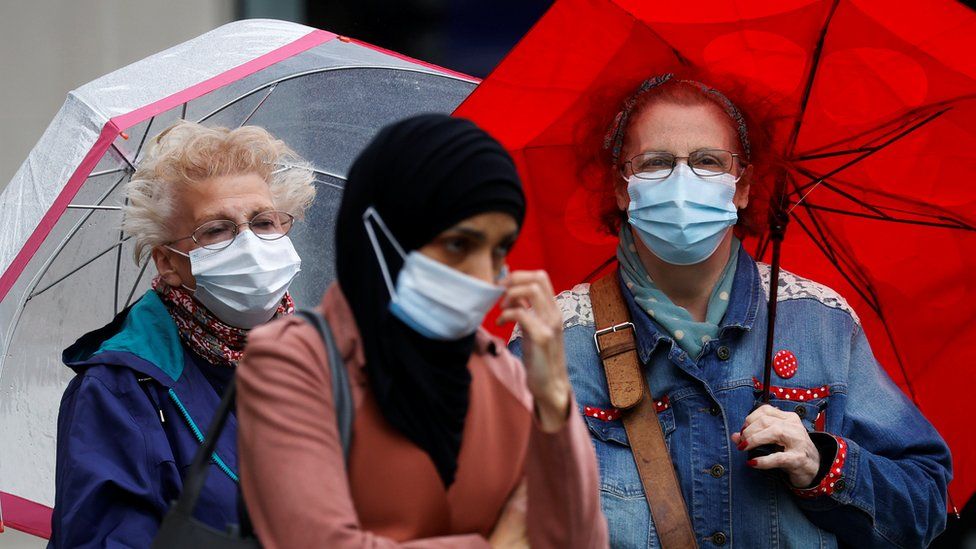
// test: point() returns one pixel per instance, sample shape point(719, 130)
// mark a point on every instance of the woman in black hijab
point(455, 443)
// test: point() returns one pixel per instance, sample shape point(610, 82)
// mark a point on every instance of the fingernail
point(742, 444)
point(751, 463)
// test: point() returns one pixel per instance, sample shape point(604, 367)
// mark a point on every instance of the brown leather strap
point(616, 343)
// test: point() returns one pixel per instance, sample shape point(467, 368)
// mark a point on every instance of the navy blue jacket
point(129, 425)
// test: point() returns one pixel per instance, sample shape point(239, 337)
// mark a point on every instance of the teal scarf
point(677, 321)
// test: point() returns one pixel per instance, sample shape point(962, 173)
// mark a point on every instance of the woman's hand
point(529, 301)
point(510, 531)
point(770, 425)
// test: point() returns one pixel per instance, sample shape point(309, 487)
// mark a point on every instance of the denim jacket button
point(723, 352)
point(800, 411)
point(719, 538)
point(717, 470)
point(840, 485)
point(715, 410)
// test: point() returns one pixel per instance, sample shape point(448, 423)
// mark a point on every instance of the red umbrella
point(879, 100)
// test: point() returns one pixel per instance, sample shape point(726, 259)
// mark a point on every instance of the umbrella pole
point(778, 219)
point(777, 231)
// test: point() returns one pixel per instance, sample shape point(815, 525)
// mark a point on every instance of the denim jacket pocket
point(612, 431)
point(621, 492)
point(617, 469)
point(811, 411)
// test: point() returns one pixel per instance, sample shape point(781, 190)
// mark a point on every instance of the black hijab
point(422, 175)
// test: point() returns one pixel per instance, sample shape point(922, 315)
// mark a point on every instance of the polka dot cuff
point(833, 481)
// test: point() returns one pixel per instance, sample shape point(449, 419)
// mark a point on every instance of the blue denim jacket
point(891, 490)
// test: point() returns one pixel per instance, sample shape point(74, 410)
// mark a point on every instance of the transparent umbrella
point(67, 268)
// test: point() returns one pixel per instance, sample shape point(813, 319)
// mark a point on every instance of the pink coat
point(301, 494)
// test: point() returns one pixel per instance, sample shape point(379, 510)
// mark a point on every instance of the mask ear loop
point(371, 213)
point(174, 250)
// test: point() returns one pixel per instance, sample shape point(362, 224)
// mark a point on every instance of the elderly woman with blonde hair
point(212, 207)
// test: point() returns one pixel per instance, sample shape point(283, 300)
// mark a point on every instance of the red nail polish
point(751, 463)
point(742, 444)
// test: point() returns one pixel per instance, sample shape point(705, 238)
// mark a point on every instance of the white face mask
point(435, 300)
point(243, 284)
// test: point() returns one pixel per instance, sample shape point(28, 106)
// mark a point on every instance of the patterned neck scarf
point(676, 321)
point(219, 343)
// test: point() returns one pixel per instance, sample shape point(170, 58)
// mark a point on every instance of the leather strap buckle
point(612, 329)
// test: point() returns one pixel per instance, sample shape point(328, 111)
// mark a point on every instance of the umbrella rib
point(900, 121)
point(118, 265)
point(122, 155)
point(74, 230)
point(945, 224)
point(331, 69)
point(142, 271)
point(92, 207)
point(105, 172)
point(143, 140)
point(677, 54)
point(945, 217)
point(76, 269)
point(822, 180)
point(183, 111)
point(842, 272)
point(811, 77)
point(284, 167)
point(258, 106)
point(834, 255)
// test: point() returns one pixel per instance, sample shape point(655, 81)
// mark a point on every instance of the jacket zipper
point(199, 436)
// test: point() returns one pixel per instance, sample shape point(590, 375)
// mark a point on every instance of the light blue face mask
point(434, 300)
point(683, 218)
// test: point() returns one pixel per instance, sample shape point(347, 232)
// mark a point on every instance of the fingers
point(534, 328)
point(774, 425)
point(787, 459)
point(531, 286)
point(780, 433)
point(516, 278)
point(536, 297)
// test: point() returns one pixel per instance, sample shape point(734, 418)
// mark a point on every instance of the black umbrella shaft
point(777, 240)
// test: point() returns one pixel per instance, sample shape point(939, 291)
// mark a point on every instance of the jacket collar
point(142, 338)
point(744, 303)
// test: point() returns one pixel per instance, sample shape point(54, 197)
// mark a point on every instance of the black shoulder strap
point(341, 392)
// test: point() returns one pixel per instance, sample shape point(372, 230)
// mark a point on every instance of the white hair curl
point(188, 153)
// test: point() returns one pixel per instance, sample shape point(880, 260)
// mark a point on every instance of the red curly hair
point(600, 170)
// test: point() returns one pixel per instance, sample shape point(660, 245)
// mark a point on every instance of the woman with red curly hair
point(857, 463)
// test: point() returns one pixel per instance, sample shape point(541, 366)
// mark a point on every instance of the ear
point(166, 266)
point(620, 192)
point(741, 197)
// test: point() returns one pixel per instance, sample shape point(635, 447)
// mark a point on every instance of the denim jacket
point(887, 485)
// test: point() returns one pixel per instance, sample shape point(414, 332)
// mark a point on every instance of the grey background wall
point(49, 47)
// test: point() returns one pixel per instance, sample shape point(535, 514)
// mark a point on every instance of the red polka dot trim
point(613, 414)
point(828, 484)
point(662, 404)
point(605, 415)
point(784, 364)
point(794, 393)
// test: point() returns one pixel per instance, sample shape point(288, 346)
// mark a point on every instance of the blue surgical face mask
point(434, 300)
point(683, 218)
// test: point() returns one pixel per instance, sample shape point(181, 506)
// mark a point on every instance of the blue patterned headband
point(615, 135)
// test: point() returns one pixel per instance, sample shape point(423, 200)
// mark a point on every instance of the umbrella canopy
point(66, 267)
point(879, 105)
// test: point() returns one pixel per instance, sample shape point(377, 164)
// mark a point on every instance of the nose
point(482, 267)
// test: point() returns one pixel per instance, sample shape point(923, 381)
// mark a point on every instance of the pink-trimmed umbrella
point(65, 265)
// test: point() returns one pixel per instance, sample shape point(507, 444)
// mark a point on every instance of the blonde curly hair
point(188, 153)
